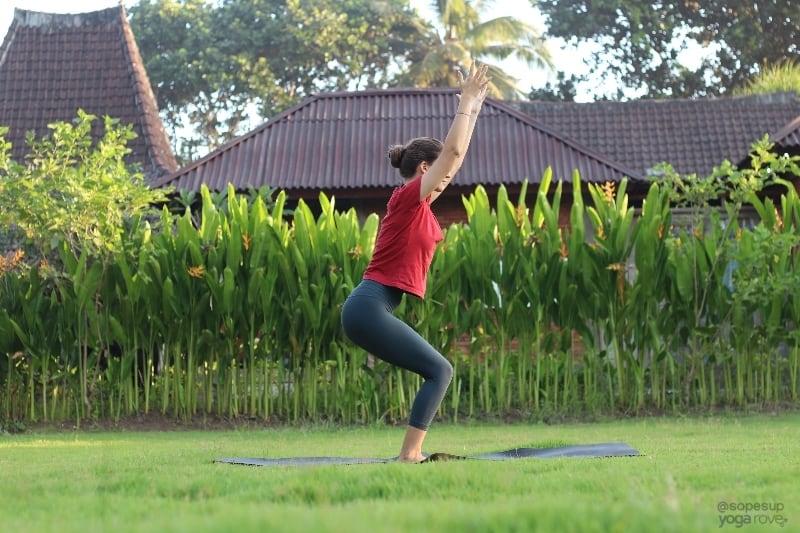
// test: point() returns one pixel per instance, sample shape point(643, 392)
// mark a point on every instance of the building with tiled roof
point(336, 143)
point(693, 135)
point(51, 65)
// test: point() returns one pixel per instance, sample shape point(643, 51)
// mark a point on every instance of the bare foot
point(411, 459)
point(411, 450)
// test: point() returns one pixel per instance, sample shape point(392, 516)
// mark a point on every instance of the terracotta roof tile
point(338, 141)
point(52, 64)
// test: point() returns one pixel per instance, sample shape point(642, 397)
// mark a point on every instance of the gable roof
point(53, 64)
point(693, 135)
point(338, 141)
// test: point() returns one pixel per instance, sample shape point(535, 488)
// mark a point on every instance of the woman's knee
point(445, 371)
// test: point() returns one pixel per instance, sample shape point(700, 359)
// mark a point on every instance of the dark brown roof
point(789, 136)
point(338, 141)
point(693, 136)
point(52, 64)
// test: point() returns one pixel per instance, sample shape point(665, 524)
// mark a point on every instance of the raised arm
point(473, 119)
point(457, 140)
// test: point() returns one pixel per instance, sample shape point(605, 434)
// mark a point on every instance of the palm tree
point(465, 37)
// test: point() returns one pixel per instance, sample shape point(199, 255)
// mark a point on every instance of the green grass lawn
point(167, 481)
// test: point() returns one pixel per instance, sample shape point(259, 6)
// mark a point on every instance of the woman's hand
point(475, 85)
point(478, 102)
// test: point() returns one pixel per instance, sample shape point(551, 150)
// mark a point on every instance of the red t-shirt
point(406, 241)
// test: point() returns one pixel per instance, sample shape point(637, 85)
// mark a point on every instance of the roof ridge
point(35, 19)
point(773, 98)
point(388, 91)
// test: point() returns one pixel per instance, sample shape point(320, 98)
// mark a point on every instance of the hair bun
point(396, 154)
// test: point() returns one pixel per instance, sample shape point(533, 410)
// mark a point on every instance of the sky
point(567, 59)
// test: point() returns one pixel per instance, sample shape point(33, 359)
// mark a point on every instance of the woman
point(403, 252)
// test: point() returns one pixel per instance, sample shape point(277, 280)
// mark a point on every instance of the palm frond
point(504, 85)
point(467, 37)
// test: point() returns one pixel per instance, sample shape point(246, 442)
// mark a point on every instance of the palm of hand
point(476, 82)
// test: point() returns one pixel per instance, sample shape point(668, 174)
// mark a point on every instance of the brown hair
point(407, 158)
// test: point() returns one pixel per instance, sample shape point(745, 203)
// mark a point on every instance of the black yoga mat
point(609, 449)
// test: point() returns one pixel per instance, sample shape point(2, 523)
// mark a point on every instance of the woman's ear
point(422, 168)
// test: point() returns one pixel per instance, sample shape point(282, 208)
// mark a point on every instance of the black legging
point(368, 320)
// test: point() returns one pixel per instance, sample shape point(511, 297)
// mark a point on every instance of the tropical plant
point(77, 203)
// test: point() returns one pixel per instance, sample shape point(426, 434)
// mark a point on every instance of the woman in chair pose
point(403, 252)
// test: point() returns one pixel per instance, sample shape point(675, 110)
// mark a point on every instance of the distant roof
point(693, 135)
point(53, 64)
point(339, 140)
